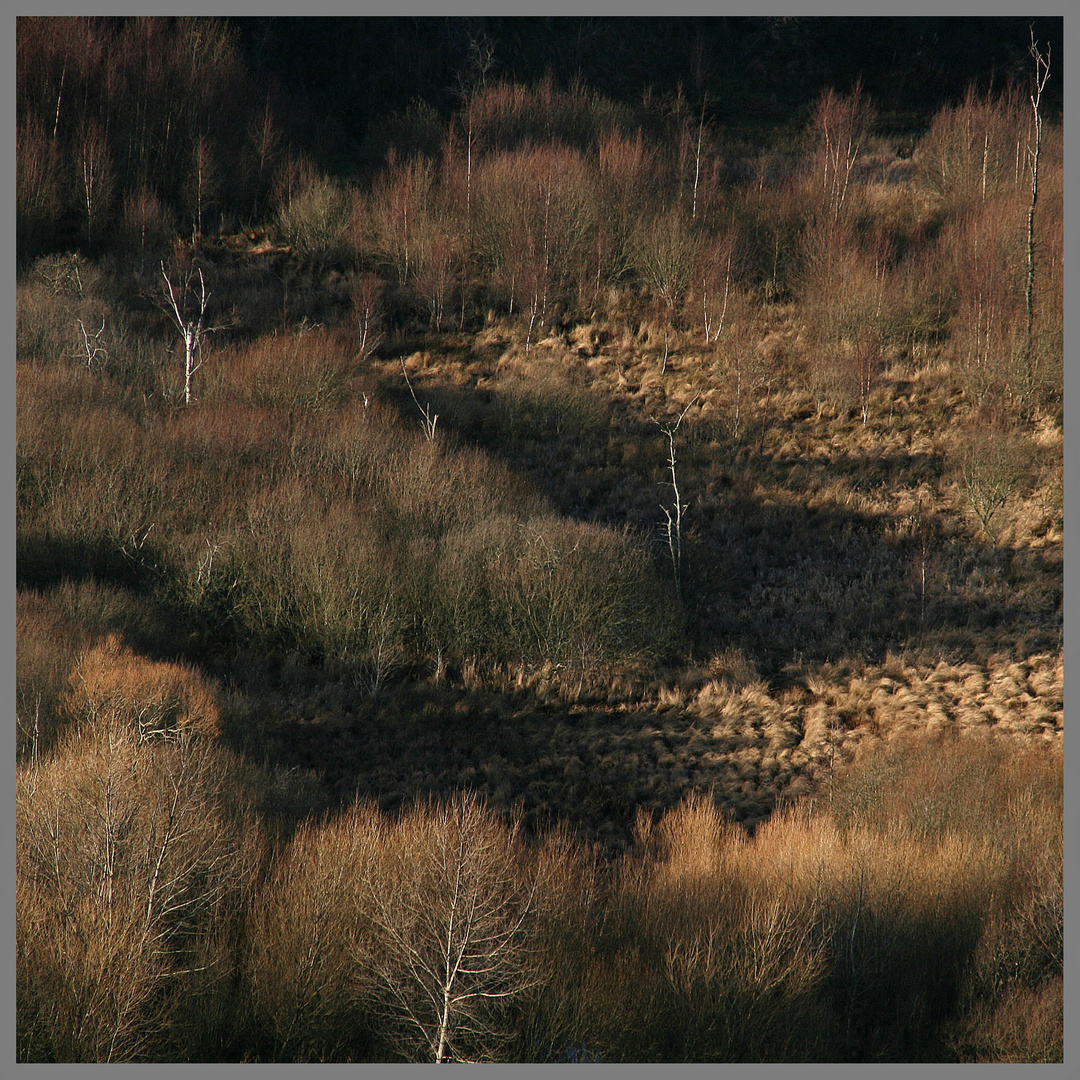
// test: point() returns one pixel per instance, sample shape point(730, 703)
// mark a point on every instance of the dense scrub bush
point(47, 644)
point(72, 665)
point(1003, 807)
point(975, 149)
point(726, 966)
point(548, 592)
point(993, 464)
point(304, 370)
point(112, 687)
point(535, 230)
point(864, 927)
point(86, 487)
point(332, 564)
point(394, 221)
point(39, 193)
point(307, 986)
point(626, 176)
point(135, 862)
point(320, 578)
point(770, 224)
point(509, 116)
point(314, 219)
point(546, 402)
point(148, 227)
point(663, 253)
point(55, 294)
point(370, 587)
point(414, 939)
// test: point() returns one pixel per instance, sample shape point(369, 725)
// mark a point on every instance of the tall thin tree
point(1042, 73)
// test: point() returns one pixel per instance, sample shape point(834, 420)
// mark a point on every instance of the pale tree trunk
point(1042, 72)
point(453, 922)
point(192, 327)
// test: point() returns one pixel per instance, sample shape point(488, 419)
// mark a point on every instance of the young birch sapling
point(674, 515)
point(187, 308)
point(430, 419)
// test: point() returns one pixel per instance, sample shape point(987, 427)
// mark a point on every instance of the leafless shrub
point(534, 229)
point(113, 687)
point(1023, 1025)
point(264, 139)
point(844, 287)
point(317, 577)
point(201, 183)
point(544, 591)
point(70, 275)
point(38, 191)
point(308, 995)
point(424, 929)
point(722, 969)
point(291, 178)
point(626, 174)
point(992, 464)
point(435, 549)
point(546, 402)
point(453, 905)
point(304, 369)
point(147, 224)
point(134, 864)
point(716, 288)
point(58, 292)
point(46, 326)
point(400, 198)
point(746, 371)
point(94, 488)
point(47, 645)
point(438, 261)
point(368, 312)
point(838, 130)
point(988, 328)
point(663, 252)
point(999, 812)
point(974, 150)
point(314, 217)
point(508, 116)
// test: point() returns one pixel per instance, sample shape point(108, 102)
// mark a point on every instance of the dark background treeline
point(195, 114)
point(754, 70)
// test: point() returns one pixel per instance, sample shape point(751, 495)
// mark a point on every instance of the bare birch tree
point(839, 128)
point(92, 348)
point(1042, 73)
point(675, 514)
point(453, 916)
point(95, 178)
point(187, 308)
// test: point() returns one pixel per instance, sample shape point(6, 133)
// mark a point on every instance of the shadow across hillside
point(778, 559)
point(589, 765)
